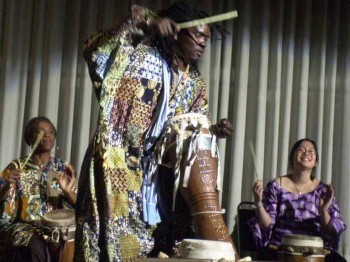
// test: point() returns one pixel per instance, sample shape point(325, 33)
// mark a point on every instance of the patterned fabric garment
point(36, 193)
point(128, 81)
point(295, 214)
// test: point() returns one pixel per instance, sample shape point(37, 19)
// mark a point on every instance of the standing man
point(144, 72)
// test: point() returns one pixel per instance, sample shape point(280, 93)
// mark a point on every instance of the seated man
point(30, 187)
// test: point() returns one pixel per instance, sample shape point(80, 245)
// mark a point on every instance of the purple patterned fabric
point(295, 214)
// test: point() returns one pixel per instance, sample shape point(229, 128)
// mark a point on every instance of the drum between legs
point(194, 165)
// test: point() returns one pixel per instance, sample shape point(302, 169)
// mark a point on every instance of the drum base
point(299, 258)
point(62, 252)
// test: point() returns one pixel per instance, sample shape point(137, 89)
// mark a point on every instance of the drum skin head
point(59, 218)
point(206, 249)
point(302, 246)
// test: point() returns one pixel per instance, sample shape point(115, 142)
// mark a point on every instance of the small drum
point(206, 249)
point(298, 248)
point(189, 149)
point(59, 231)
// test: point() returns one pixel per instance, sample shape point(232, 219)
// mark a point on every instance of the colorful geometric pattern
point(28, 201)
point(128, 83)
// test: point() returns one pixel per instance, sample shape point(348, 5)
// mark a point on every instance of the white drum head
point(59, 217)
point(206, 249)
point(301, 245)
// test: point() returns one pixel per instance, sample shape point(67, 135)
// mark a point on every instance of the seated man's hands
point(13, 176)
point(67, 179)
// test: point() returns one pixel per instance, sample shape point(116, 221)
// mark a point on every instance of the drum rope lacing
point(56, 233)
point(58, 225)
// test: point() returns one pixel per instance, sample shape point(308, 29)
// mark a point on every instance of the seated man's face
point(192, 42)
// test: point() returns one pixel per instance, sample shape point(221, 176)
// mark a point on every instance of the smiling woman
point(30, 187)
point(296, 203)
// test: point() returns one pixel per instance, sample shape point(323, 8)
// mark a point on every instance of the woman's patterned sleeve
point(262, 236)
point(336, 218)
point(338, 224)
point(270, 201)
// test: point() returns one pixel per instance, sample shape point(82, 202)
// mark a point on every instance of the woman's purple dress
point(292, 213)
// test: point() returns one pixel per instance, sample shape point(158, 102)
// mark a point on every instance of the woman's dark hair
point(181, 11)
point(28, 133)
point(296, 146)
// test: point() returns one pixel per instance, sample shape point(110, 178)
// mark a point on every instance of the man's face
point(192, 42)
point(48, 140)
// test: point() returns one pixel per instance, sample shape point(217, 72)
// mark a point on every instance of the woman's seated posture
point(297, 203)
point(30, 187)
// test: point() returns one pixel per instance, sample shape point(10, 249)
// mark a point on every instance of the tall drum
point(59, 231)
point(189, 149)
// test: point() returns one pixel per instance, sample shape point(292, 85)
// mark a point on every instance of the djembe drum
point(59, 232)
point(189, 149)
point(300, 248)
point(206, 249)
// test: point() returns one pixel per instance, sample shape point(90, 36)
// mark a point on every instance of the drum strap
point(149, 192)
point(179, 150)
point(162, 111)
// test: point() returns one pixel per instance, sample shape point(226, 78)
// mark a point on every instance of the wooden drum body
point(188, 148)
point(59, 232)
